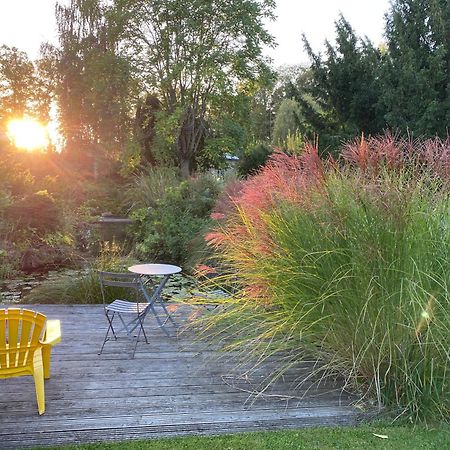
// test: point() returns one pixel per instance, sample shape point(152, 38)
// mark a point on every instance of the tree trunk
point(190, 141)
point(185, 168)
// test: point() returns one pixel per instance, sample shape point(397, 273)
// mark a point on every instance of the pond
point(12, 291)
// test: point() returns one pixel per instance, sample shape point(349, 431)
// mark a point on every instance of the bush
point(348, 263)
point(252, 160)
point(165, 232)
point(148, 187)
point(37, 211)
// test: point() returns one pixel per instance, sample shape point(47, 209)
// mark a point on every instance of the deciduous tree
point(190, 52)
point(93, 86)
point(286, 121)
point(21, 90)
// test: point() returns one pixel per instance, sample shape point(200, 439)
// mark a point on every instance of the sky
point(27, 23)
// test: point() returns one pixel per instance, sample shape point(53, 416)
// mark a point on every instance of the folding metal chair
point(131, 314)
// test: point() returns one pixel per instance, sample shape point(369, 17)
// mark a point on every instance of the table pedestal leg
point(156, 298)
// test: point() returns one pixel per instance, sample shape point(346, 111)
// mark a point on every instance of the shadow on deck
point(172, 387)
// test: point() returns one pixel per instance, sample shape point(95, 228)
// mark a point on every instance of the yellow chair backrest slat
point(2, 341)
point(20, 331)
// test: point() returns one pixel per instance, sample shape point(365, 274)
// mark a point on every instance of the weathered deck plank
point(172, 387)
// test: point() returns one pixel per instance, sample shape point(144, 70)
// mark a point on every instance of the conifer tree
point(416, 71)
point(342, 99)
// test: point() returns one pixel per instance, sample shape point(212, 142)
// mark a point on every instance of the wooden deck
point(172, 387)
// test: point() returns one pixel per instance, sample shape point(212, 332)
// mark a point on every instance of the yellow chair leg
point(38, 375)
point(46, 356)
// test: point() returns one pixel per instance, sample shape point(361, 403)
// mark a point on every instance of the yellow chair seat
point(26, 340)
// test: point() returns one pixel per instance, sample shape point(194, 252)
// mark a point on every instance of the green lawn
point(359, 438)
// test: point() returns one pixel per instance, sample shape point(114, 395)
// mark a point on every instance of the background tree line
point(183, 84)
point(355, 88)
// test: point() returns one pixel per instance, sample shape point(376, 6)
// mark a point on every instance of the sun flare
point(28, 134)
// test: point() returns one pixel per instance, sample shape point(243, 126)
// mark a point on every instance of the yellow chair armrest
point(52, 333)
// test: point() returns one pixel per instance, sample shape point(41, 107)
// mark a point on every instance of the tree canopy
point(340, 100)
point(170, 82)
point(191, 53)
point(416, 69)
point(23, 87)
point(93, 80)
point(404, 85)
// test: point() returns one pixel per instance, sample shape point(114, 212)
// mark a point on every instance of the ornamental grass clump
point(349, 262)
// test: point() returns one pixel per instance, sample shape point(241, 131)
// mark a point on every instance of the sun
point(28, 134)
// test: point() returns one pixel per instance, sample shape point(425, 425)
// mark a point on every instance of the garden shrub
point(165, 232)
point(253, 159)
point(8, 263)
point(37, 211)
point(15, 177)
point(349, 263)
point(148, 187)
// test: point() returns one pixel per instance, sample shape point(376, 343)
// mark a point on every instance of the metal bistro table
point(157, 270)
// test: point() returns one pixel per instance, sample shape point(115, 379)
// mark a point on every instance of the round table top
point(155, 269)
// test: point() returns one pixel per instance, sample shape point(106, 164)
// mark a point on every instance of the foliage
point(259, 111)
point(167, 130)
point(286, 121)
point(404, 85)
point(225, 137)
point(416, 69)
point(46, 210)
point(147, 188)
point(253, 159)
point(22, 91)
point(15, 178)
point(9, 259)
point(350, 265)
point(146, 112)
point(92, 81)
point(37, 211)
point(29, 214)
point(341, 99)
point(164, 232)
point(191, 53)
point(268, 95)
point(98, 197)
point(293, 143)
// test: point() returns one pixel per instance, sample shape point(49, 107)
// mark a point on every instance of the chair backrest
point(20, 331)
point(119, 280)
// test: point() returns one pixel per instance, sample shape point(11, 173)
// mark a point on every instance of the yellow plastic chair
point(25, 346)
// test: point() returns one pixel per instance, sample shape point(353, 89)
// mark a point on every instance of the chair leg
point(136, 343)
point(141, 322)
point(46, 358)
point(110, 327)
point(141, 328)
point(126, 325)
point(38, 375)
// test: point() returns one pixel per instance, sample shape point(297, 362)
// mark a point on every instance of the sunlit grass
point(349, 438)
